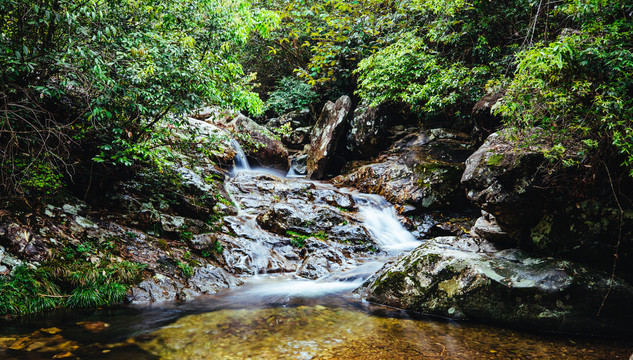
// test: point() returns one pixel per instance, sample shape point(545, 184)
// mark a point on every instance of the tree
point(98, 75)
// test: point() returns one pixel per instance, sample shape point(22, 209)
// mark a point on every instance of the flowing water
point(286, 317)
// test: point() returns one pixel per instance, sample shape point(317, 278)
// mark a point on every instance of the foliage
point(291, 94)
point(99, 75)
point(578, 86)
point(409, 71)
point(296, 239)
point(28, 291)
point(70, 280)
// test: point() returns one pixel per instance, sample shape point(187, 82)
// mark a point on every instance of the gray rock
point(463, 278)
point(258, 142)
point(421, 171)
point(298, 164)
point(325, 136)
point(322, 262)
point(486, 227)
point(367, 134)
point(504, 181)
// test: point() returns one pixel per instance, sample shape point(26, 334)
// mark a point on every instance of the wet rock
point(206, 279)
point(367, 134)
point(325, 136)
point(322, 262)
point(296, 118)
point(504, 181)
point(210, 279)
point(297, 138)
point(21, 241)
point(158, 288)
point(298, 164)
point(422, 170)
point(463, 278)
point(248, 257)
point(257, 142)
point(486, 227)
point(535, 206)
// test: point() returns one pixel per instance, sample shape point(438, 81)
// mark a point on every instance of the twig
point(617, 246)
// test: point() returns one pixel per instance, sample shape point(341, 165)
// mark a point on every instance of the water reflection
point(266, 324)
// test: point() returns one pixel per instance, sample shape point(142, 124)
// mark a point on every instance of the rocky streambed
point(276, 266)
point(300, 248)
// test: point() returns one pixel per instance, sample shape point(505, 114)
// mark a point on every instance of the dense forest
point(96, 93)
point(85, 83)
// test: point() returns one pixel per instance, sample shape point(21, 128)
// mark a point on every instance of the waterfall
point(381, 220)
point(241, 163)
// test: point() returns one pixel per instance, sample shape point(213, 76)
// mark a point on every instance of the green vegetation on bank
point(565, 67)
point(86, 82)
point(82, 276)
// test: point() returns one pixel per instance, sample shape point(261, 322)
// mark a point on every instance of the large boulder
point(367, 134)
point(462, 278)
point(507, 181)
point(325, 137)
point(529, 203)
point(259, 143)
point(421, 171)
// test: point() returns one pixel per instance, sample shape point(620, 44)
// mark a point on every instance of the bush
point(291, 94)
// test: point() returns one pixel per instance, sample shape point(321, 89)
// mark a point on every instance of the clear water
point(284, 318)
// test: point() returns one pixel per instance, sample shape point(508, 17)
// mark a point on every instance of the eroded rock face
point(422, 170)
point(505, 181)
point(523, 208)
point(325, 136)
point(371, 128)
point(283, 207)
point(462, 278)
point(259, 143)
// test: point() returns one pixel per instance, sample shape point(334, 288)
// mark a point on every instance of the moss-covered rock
point(532, 204)
point(463, 278)
point(422, 170)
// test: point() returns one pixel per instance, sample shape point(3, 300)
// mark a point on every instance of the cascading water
point(257, 190)
point(241, 163)
point(382, 222)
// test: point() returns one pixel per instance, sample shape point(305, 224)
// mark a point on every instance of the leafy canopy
point(106, 72)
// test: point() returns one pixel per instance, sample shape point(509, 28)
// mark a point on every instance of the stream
point(280, 315)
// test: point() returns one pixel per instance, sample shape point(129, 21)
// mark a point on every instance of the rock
point(486, 227)
point(297, 138)
point(321, 263)
point(298, 164)
point(422, 170)
point(529, 204)
point(210, 279)
point(296, 119)
point(325, 136)
point(20, 240)
point(244, 256)
point(258, 142)
point(367, 134)
point(504, 181)
point(158, 288)
point(462, 278)
point(206, 279)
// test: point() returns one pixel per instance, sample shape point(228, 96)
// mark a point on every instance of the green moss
point(495, 159)
point(187, 269)
point(390, 282)
point(296, 239)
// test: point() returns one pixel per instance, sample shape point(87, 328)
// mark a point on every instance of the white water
point(241, 163)
point(379, 218)
point(387, 230)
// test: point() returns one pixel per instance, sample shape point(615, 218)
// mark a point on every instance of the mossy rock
point(452, 277)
